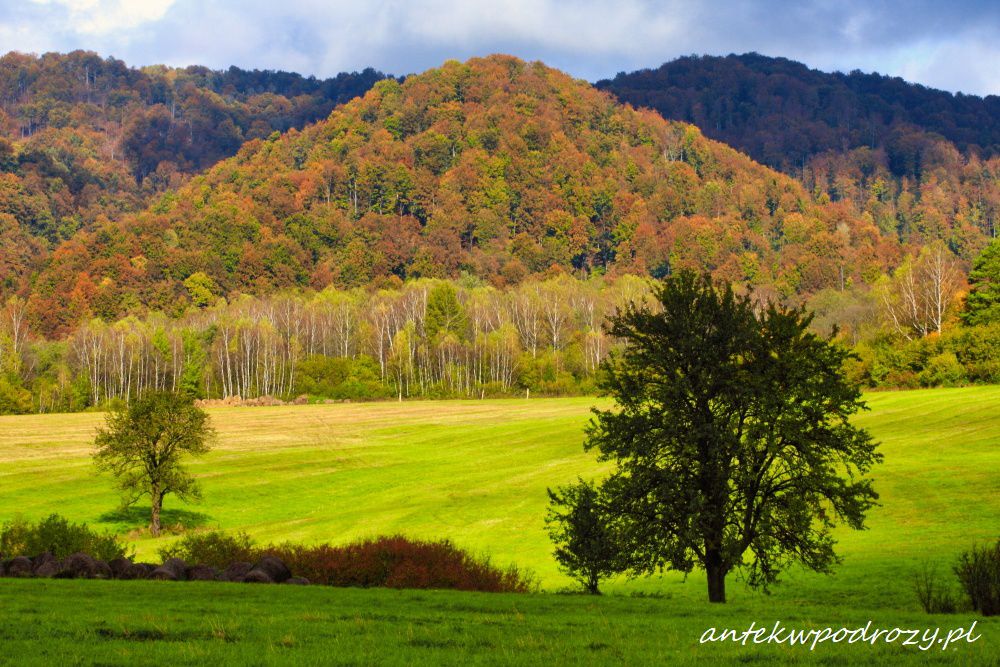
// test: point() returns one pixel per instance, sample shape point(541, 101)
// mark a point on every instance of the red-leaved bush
point(392, 562)
point(400, 562)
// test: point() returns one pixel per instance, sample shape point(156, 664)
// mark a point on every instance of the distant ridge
point(781, 112)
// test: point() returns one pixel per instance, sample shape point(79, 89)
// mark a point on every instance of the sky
point(952, 45)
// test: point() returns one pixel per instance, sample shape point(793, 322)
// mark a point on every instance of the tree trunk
point(156, 501)
point(593, 583)
point(716, 576)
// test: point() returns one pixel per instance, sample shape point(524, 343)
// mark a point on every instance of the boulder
point(50, 568)
point(275, 569)
point(258, 577)
point(172, 569)
point(118, 566)
point(77, 566)
point(102, 570)
point(201, 573)
point(136, 571)
point(236, 571)
point(40, 560)
point(19, 566)
point(297, 581)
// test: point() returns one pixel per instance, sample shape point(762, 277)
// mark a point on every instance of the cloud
point(950, 46)
point(103, 17)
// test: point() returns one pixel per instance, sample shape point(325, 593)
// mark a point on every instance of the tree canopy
point(142, 445)
point(982, 306)
point(579, 524)
point(731, 436)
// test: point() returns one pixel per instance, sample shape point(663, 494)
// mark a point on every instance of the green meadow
point(476, 473)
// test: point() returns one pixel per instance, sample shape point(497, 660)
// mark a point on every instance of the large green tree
point(731, 436)
point(982, 306)
point(142, 445)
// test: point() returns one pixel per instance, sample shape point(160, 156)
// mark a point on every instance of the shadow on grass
point(138, 517)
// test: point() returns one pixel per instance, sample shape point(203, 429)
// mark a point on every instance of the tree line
point(425, 338)
point(928, 323)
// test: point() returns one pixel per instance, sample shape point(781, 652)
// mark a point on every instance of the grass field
point(59, 622)
point(476, 472)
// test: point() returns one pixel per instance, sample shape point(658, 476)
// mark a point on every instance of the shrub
point(978, 350)
point(215, 548)
point(578, 523)
point(935, 596)
point(943, 370)
point(60, 537)
point(400, 562)
point(392, 562)
point(978, 570)
point(340, 378)
point(14, 399)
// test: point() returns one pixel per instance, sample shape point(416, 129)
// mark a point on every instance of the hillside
point(920, 163)
point(781, 112)
point(495, 168)
point(84, 140)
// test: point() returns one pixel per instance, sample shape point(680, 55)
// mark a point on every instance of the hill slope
point(85, 139)
point(922, 164)
point(496, 168)
point(782, 113)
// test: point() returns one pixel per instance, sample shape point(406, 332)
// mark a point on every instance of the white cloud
point(966, 63)
point(103, 17)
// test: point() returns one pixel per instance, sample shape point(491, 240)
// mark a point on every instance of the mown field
point(476, 472)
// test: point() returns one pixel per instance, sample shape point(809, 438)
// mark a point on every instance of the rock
point(175, 566)
point(118, 566)
point(40, 560)
point(257, 577)
point(202, 573)
point(19, 566)
point(77, 566)
point(135, 571)
point(102, 570)
point(297, 581)
point(148, 567)
point(275, 569)
point(49, 568)
point(236, 571)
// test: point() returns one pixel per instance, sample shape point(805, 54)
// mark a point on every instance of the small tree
point(580, 526)
point(982, 306)
point(445, 314)
point(142, 445)
point(978, 570)
point(731, 437)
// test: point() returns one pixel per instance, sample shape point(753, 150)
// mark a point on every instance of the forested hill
point(84, 138)
point(495, 168)
point(782, 113)
point(922, 164)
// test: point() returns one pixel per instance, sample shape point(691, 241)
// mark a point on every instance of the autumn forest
point(465, 231)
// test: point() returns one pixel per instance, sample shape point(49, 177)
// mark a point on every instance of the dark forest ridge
point(781, 112)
